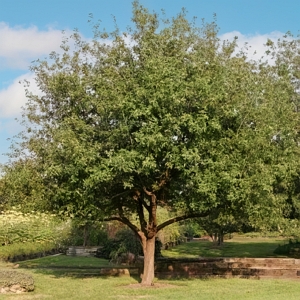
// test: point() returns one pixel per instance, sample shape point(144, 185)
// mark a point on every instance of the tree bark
point(220, 238)
point(85, 235)
point(149, 254)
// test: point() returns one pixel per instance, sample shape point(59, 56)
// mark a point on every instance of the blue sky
point(31, 29)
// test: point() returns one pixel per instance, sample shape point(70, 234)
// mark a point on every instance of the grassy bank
point(239, 246)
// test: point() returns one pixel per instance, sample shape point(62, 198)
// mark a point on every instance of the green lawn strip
point(64, 261)
point(28, 248)
point(236, 247)
point(51, 287)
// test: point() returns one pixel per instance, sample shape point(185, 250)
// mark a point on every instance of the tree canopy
point(166, 115)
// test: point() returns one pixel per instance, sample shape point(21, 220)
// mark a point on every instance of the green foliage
point(171, 233)
point(125, 241)
point(219, 224)
point(110, 246)
point(191, 228)
point(173, 116)
point(87, 233)
point(9, 278)
point(292, 248)
point(25, 250)
point(18, 227)
point(129, 241)
point(22, 185)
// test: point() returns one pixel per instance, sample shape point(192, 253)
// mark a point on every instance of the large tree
point(163, 115)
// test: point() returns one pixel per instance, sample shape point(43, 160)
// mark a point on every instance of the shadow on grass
point(179, 281)
point(79, 273)
point(81, 268)
point(65, 261)
point(77, 267)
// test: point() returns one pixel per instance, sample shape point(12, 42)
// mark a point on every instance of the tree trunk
point(220, 238)
point(85, 235)
point(215, 237)
point(149, 253)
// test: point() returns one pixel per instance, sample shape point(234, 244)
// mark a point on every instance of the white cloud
point(13, 97)
point(19, 46)
point(254, 43)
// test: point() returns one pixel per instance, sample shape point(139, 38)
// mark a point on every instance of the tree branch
point(120, 194)
point(181, 218)
point(147, 192)
point(141, 200)
point(145, 205)
point(125, 221)
point(141, 215)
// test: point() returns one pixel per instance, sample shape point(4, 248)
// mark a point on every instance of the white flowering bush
point(18, 227)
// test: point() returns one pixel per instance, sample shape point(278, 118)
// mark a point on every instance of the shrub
point(110, 246)
point(18, 251)
point(24, 235)
point(129, 241)
point(290, 249)
point(13, 279)
point(125, 241)
point(18, 227)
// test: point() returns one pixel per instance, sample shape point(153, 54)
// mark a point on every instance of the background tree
point(219, 224)
point(22, 185)
point(163, 115)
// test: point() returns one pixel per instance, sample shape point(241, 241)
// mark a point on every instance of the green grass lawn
point(239, 246)
point(53, 283)
point(64, 287)
point(65, 261)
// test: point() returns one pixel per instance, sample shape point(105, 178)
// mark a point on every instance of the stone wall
point(82, 251)
point(228, 267)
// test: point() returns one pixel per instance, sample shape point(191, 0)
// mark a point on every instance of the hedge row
point(22, 251)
